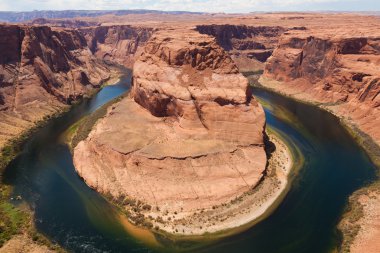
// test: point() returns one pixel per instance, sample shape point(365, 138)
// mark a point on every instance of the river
point(77, 218)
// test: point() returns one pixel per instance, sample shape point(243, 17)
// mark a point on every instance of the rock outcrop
point(249, 46)
point(341, 72)
point(116, 43)
point(41, 70)
point(189, 137)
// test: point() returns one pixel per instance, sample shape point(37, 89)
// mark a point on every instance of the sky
point(228, 6)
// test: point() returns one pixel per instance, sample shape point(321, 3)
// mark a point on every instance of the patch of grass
point(12, 221)
point(81, 129)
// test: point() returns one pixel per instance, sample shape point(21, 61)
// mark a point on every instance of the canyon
point(42, 70)
point(190, 107)
point(45, 69)
point(189, 127)
point(338, 71)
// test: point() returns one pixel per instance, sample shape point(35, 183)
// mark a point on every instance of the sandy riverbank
point(360, 224)
point(24, 244)
point(369, 233)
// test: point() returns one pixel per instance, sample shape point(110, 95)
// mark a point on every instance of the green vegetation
point(253, 72)
point(16, 220)
point(14, 146)
point(12, 219)
point(81, 129)
point(354, 211)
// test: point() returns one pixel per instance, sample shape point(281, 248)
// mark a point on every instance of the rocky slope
point(249, 46)
point(189, 128)
point(116, 43)
point(41, 70)
point(339, 72)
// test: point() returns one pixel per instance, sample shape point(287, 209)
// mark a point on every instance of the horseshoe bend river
point(80, 220)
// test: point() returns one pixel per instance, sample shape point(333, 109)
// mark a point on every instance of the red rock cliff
point(118, 43)
point(249, 46)
point(341, 72)
point(193, 79)
point(41, 69)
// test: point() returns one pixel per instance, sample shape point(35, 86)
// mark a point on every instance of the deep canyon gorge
point(186, 150)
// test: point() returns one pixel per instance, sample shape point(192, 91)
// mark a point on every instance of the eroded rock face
point(189, 136)
point(41, 69)
point(118, 43)
point(249, 46)
point(340, 72)
point(196, 81)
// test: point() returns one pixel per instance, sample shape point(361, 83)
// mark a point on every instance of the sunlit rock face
point(189, 136)
point(41, 70)
point(340, 71)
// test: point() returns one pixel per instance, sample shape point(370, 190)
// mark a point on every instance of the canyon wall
point(249, 46)
point(189, 128)
point(116, 43)
point(341, 72)
point(41, 70)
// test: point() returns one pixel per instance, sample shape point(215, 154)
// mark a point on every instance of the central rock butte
point(188, 138)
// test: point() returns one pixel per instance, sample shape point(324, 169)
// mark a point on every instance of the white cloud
point(185, 5)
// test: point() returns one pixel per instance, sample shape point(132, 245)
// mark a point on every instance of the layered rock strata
point(41, 70)
point(249, 46)
point(116, 43)
point(189, 137)
point(339, 72)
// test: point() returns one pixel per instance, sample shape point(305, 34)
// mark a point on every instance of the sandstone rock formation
point(189, 137)
point(116, 43)
point(340, 72)
point(249, 46)
point(41, 69)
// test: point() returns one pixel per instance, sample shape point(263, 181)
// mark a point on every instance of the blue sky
point(194, 5)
